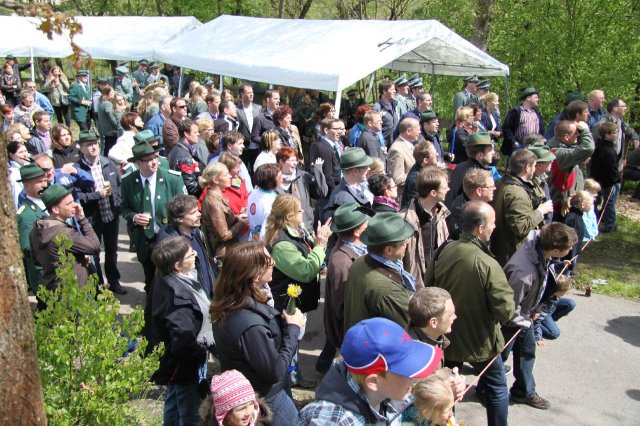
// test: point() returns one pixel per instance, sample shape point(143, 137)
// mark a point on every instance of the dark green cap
point(385, 229)
point(543, 153)
point(354, 157)
point(30, 171)
point(480, 138)
point(145, 136)
point(428, 115)
point(348, 217)
point(142, 150)
point(87, 136)
point(53, 194)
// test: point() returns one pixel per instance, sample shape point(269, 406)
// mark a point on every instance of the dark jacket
point(457, 178)
point(486, 122)
point(181, 160)
point(510, 126)
point(261, 123)
point(604, 164)
point(574, 219)
point(255, 341)
point(170, 135)
point(410, 191)
point(331, 166)
point(453, 220)
point(221, 227)
point(44, 250)
point(369, 142)
point(176, 320)
point(89, 196)
point(342, 194)
point(70, 154)
point(461, 135)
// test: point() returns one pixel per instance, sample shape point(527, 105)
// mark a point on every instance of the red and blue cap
point(378, 344)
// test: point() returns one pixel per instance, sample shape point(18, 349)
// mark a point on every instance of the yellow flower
point(294, 290)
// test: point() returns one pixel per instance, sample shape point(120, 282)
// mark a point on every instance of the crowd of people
point(432, 256)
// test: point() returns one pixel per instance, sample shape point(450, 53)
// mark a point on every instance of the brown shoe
point(305, 384)
point(535, 401)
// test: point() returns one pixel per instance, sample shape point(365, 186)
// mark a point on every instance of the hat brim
point(66, 192)
point(349, 227)
point(29, 178)
point(546, 159)
point(137, 157)
point(420, 362)
point(364, 163)
point(407, 231)
point(526, 95)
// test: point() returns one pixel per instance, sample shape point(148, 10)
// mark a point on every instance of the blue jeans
point(548, 324)
point(608, 211)
point(181, 405)
point(524, 357)
point(283, 408)
point(492, 387)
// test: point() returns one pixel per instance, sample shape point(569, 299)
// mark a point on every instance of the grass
point(615, 257)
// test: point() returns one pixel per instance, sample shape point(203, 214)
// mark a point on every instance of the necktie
point(146, 206)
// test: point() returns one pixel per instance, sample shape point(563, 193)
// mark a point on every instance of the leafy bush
point(88, 374)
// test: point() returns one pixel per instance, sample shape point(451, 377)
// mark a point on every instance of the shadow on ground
point(626, 328)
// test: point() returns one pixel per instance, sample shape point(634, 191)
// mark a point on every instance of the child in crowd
point(604, 169)
point(551, 310)
point(434, 399)
point(581, 202)
point(589, 218)
point(233, 402)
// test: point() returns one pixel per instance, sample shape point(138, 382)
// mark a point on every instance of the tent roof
point(130, 37)
point(326, 55)
point(22, 34)
point(103, 37)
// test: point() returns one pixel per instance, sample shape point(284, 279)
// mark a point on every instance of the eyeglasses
point(191, 255)
point(181, 106)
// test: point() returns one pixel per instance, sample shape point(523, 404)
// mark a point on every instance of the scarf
point(408, 280)
point(380, 199)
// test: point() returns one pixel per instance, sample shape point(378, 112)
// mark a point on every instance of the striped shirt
point(529, 123)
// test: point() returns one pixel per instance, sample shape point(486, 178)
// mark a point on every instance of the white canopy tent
point(24, 39)
point(325, 55)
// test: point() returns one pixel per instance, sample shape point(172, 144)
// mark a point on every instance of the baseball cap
point(377, 344)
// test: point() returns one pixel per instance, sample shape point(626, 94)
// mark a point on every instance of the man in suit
point(139, 77)
point(34, 181)
point(400, 158)
point(467, 95)
point(227, 120)
point(354, 163)
point(247, 111)
point(101, 204)
point(122, 84)
point(80, 100)
point(264, 121)
point(145, 195)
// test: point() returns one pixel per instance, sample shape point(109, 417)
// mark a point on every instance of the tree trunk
point(21, 399)
point(305, 9)
point(281, 9)
point(482, 23)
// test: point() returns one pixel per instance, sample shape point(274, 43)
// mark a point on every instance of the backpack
point(562, 180)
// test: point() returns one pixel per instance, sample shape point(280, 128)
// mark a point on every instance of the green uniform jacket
point(28, 213)
point(140, 77)
point(123, 87)
point(168, 185)
point(76, 95)
point(480, 293)
point(515, 216)
point(374, 290)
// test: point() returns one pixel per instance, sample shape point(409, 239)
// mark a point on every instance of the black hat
point(526, 92)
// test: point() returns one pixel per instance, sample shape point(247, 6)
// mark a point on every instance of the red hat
point(229, 390)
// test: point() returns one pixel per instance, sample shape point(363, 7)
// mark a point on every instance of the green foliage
point(622, 269)
point(85, 377)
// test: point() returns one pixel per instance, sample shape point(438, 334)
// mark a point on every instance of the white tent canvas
point(130, 37)
point(325, 55)
point(23, 39)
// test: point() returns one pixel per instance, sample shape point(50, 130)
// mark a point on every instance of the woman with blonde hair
point(298, 260)
point(272, 144)
point(221, 227)
point(465, 127)
point(207, 133)
point(196, 103)
point(490, 118)
point(57, 87)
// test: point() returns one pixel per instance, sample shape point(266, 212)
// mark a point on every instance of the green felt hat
point(354, 157)
point(575, 96)
point(385, 229)
point(142, 150)
point(543, 153)
point(525, 93)
point(103, 80)
point(53, 194)
point(82, 73)
point(145, 136)
point(30, 171)
point(87, 136)
point(347, 217)
point(428, 115)
point(480, 138)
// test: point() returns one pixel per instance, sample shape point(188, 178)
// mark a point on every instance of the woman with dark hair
point(57, 87)
point(303, 185)
point(271, 142)
point(325, 110)
point(358, 128)
point(221, 227)
point(18, 157)
point(385, 193)
point(251, 336)
point(287, 132)
point(267, 178)
point(107, 123)
point(477, 117)
point(298, 260)
point(7, 116)
point(64, 151)
point(179, 307)
point(131, 124)
point(10, 85)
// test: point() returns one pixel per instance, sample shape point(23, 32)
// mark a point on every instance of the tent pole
point(33, 73)
point(433, 86)
point(370, 88)
point(180, 83)
point(338, 102)
point(221, 83)
point(506, 90)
